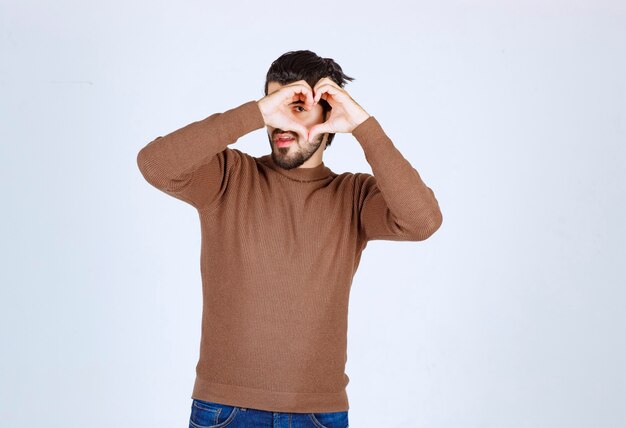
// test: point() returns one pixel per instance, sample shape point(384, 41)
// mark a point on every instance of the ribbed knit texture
point(279, 251)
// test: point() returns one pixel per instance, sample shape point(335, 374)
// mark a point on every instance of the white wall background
point(511, 315)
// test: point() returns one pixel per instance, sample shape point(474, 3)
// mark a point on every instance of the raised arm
point(193, 163)
point(394, 203)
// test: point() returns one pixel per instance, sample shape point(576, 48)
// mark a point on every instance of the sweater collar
point(298, 174)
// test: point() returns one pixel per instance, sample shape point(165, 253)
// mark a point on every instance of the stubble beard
point(292, 157)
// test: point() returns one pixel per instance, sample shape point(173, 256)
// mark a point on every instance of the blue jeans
point(207, 414)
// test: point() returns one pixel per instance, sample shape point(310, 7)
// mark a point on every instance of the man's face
point(298, 151)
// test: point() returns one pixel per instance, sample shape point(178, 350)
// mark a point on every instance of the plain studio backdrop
point(514, 113)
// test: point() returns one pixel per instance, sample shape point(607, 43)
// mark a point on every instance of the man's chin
point(288, 157)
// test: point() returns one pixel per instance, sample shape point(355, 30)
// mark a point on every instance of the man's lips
point(283, 139)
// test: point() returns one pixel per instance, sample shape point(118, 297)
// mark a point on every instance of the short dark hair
point(310, 67)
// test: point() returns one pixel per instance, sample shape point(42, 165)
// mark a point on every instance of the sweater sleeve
point(395, 203)
point(194, 163)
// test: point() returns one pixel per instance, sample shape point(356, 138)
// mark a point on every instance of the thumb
point(302, 131)
point(318, 129)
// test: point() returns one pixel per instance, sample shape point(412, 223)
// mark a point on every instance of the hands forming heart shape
point(344, 116)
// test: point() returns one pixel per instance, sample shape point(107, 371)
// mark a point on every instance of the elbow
point(143, 164)
point(427, 226)
point(146, 159)
point(141, 160)
point(158, 175)
point(435, 223)
point(430, 220)
point(150, 171)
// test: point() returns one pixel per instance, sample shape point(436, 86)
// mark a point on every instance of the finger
point(303, 87)
point(317, 130)
point(319, 92)
point(302, 131)
point(298, 92)
point(303, 93)
point(334, 95)
point(324, 81)
point(309, 99)
point(296, 127)
point(326, 89)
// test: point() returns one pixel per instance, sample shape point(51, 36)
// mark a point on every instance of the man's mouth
point(283, 139)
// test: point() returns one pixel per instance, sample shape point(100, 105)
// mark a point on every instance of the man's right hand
point(276, 109)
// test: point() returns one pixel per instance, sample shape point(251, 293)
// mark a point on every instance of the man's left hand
point(345, 114)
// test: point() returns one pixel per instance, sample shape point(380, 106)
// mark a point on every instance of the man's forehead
point(273, 87)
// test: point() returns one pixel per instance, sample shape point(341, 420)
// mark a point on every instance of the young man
point(282, 237)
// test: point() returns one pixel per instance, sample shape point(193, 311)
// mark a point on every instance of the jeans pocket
point(330, 419)
point(207, 414)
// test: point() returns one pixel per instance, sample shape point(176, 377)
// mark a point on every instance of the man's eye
point(301, 108)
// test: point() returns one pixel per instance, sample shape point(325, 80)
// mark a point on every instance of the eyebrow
point(297, 102)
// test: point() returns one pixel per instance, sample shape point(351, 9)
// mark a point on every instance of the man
point(282, 237)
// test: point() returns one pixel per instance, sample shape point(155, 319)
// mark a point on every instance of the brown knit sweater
point(279, 251)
